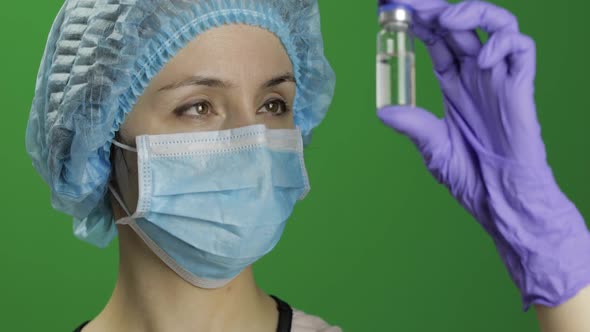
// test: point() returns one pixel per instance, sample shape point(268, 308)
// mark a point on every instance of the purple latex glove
point(488, 150)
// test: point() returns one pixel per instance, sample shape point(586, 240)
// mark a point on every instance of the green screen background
point(377, 245)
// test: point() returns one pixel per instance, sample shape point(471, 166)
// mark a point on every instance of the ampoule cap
point(390, 11)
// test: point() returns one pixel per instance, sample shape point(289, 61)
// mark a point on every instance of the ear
point(123, 180)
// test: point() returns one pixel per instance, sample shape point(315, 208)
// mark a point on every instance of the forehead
point(231, 51)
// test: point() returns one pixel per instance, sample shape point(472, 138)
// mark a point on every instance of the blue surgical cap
point(102, 54)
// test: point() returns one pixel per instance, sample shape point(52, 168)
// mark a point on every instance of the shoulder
point(303, 322)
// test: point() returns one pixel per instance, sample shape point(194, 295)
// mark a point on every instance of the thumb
point(419, 125)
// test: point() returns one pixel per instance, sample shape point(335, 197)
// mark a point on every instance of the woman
point(220, 74)
point(181, 122)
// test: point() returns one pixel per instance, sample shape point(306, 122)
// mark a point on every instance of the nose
point(240, 117)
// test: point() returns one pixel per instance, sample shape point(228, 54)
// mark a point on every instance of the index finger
point(470, 15)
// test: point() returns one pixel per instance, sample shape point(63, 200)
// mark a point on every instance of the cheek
point(140, 121)
point(280, 122)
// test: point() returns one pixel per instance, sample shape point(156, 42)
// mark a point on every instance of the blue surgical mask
point(212, 203)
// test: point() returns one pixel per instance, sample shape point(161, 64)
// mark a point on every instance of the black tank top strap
point(79, 328)
point(285, 315)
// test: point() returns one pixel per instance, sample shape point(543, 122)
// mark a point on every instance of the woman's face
point(228, 77)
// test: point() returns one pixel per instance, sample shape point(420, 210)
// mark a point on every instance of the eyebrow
point(218, 83)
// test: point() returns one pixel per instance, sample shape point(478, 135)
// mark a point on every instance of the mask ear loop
point(119, 199)
point(124, 146)
point(113, 191)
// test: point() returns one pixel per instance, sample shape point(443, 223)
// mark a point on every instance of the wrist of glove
point(539, 233)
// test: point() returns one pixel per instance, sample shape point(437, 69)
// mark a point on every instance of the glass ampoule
point(396, 73)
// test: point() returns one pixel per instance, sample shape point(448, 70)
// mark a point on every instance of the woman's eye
point(197, 110)
point(276, 107)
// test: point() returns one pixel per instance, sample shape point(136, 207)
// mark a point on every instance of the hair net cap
point(102, 54)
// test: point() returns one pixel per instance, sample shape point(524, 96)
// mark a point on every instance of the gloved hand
point(488, 150)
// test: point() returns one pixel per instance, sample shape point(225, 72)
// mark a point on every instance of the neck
point(149, 296)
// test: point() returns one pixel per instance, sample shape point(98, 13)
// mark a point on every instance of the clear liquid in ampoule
point(396, 79)
point(396, 68)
